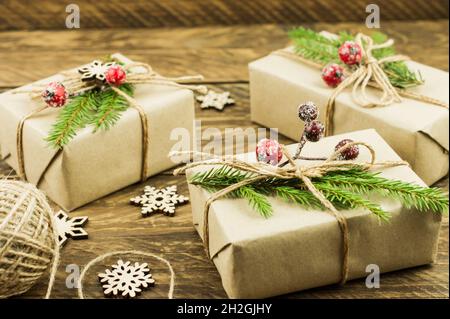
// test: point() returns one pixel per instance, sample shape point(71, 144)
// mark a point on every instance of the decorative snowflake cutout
point(155, 199)
point(126, 279)
point(69, 227)
point(214, 99)
point(95, 71)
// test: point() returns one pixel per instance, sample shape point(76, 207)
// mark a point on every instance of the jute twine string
point(101, 258)
point(75, 86)
point(368, 73)
point(260, 171)
point(29, 242)
point(28, 238)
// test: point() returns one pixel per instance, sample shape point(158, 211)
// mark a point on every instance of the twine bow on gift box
point(76, 85)
point(368, 73)
point(261, 171)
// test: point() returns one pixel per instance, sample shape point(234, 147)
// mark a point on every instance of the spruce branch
point(350, 200)
point(410, 195)
point(110, 107)
point(218, 178)
point(298, 196)
point(101, 108)
point(318, 48)
point(344, 189)
point(257, 200)
point(74, 116)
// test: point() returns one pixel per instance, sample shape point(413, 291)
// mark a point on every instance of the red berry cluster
point(115, 75)
point(314, 129)
point(269, 151)
point(350, 53)
point(349, 153)
point(333, 74)
point(55, 94)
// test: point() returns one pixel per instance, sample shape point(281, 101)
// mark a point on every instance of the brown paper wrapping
point(297, 249)
point(94, 165)
point(417, 131)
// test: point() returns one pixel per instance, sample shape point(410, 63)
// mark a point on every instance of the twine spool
point(28, 241)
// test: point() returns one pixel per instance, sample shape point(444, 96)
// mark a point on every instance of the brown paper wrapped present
point(93, 165)
point(297, 249)
point(417, 131)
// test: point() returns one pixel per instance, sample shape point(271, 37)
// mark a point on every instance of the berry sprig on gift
point(97, 105)
point(341, 53)
point(345, 189)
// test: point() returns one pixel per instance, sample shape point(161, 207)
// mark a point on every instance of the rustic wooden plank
point(51, 14)
point(224, 52)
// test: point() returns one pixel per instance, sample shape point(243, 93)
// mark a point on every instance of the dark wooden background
point(50, 14)
point(216, 38)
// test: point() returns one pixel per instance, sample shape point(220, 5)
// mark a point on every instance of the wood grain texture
point(51, 14)
point(222, 54)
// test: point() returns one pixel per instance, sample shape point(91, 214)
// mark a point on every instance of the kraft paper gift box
point(93, 165)
point(297, 248)
point(417, 131)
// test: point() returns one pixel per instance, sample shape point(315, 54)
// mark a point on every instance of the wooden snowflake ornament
point(215, 100)
point(67, 227)
point(126, 279)
point(95, 71)
point(163, 200)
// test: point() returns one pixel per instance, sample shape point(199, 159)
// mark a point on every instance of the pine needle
point(110, 107)
point(74, 116)
point(344, 189)
point(102, 109)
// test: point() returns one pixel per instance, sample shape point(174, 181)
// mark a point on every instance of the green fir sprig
point(321, 49)
point(73, 117)
point(99, 108)
point(344, 189)
point(110, 107)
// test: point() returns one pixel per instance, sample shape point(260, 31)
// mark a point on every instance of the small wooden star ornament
point(215, 100)
point(67, 227)
point(95, 71)
point(163, 200)
point(126, 279)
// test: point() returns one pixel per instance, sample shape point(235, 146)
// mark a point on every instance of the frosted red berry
point(314, 131)
point(333, 74)
point(115, 75)
point(269, 151)
point(350, 153)
point(350, 53)
point(55, 94)
point(308, 111)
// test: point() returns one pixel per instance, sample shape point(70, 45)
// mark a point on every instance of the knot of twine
point(260, 171)
point(368, 73)
point(74, 85)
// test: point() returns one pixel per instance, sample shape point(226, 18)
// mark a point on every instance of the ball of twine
point(28, 239)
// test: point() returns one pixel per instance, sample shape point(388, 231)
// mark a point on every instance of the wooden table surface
point(221, 54)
